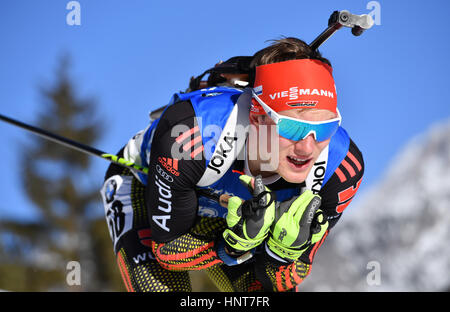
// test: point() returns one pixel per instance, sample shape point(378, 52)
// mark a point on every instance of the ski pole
point(221, 199)
point(74, 145)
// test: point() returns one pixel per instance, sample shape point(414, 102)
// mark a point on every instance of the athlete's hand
point(249, 221)
point(299, 223)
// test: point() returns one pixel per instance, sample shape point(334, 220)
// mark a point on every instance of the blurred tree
point(34, 255)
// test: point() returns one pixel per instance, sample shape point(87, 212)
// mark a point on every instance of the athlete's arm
point(170, 193)
point(176, 165)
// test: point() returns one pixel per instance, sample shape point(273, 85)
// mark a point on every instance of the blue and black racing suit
point(163, 224)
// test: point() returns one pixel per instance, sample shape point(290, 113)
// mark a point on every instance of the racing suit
point(162, 224)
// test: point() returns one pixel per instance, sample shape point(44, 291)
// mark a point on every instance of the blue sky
point(132, 55)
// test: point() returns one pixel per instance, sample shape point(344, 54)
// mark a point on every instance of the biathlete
point(244, 182)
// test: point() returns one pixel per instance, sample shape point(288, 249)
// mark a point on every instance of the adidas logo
point(170, 164)
point(191, 141)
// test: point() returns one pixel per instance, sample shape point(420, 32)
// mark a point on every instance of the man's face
point(296, 158)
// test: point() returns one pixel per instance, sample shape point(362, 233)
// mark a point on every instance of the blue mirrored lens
point(298, 130)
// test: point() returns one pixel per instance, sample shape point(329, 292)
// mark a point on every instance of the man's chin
point(292, 174)
point(294, 177)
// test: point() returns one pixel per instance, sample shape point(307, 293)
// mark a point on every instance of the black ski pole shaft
point(53, 137)
point(74, 145)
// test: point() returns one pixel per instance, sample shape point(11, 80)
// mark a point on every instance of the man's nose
point(305, 146)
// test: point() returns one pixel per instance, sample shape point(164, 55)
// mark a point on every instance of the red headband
point(293, 84)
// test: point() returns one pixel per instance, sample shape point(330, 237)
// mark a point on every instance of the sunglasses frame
point(277, 117)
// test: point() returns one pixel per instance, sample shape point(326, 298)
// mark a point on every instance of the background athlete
point(266, 239)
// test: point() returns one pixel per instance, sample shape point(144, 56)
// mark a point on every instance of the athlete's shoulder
point(352, 166)
point(176, 113)
point(343, 184)
point(349, 171)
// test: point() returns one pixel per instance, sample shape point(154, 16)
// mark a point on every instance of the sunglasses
point(296, 129)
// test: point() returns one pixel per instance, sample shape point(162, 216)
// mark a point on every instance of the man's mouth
point(299, 163)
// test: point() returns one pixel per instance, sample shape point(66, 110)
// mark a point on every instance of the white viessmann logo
point(294, 92)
